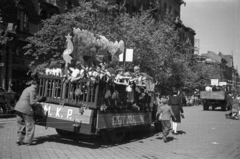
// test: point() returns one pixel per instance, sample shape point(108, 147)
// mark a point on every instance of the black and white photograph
point(119, 79)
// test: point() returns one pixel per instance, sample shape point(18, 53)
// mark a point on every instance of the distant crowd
point(214, 88)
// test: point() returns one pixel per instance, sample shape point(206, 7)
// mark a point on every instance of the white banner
point(214, 82)
point(128, 57)
point(222, 83)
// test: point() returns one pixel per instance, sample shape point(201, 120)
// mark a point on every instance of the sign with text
point(122, 119)
point(67, 113)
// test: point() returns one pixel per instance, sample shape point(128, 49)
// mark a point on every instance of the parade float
point(95, 96)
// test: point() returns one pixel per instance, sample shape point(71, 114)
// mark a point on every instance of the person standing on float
point(176, 104)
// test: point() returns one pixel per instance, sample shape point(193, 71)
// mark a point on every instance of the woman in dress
point(176, 104)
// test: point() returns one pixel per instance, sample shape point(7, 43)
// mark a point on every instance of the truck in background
point(214, 96)
point(213, 99)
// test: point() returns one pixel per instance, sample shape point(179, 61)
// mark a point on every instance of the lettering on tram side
point(69, 114)
point(122, 120)
point(47, 108)
point(58, 111)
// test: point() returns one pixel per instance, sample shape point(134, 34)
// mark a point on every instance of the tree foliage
point(157, 47)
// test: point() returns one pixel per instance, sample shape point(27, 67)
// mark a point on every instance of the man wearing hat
point(24, 112)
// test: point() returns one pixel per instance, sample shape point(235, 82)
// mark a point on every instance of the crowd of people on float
point(99, 72)
point(129, 86)
point(215, 88)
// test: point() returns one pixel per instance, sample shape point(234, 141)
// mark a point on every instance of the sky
point(217, 25)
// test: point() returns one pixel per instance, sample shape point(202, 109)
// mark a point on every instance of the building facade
point(20, 20)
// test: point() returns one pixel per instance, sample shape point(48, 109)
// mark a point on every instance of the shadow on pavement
point(180, 132)
point(1, 126)
point(95, 142)
point(76, 141)
point(170, 138)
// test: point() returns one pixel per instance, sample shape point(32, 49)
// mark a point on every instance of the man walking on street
point(229, 100)
point(24, 112)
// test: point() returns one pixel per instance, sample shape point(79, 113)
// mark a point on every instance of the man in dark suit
point(24, 112)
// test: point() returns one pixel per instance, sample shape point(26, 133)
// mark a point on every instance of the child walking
point(165, 114)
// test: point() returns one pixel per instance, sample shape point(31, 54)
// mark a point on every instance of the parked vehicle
point(214, 99)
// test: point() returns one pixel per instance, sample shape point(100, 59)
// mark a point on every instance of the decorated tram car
point(108, 106)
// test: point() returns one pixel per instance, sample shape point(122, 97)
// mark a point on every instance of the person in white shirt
point(208, 88)
point(77, 73)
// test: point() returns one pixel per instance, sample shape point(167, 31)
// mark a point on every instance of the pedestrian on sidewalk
point(157, 123)
point(176, 105)
point(229, 100)
point(24, 112)
point(235, 107)
point(3, 101)
point(165, 114)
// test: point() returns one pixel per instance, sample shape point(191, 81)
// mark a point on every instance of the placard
point(222, 83)
point(128, 57)
point(214, 82)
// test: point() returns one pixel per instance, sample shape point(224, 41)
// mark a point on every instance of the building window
point(22, 20)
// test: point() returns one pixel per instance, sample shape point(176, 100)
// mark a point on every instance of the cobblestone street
point(202, 135)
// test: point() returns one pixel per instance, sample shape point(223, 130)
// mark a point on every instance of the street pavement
point(202, 135)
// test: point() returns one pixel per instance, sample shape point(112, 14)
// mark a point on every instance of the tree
point(157, 47)
point(49, 43)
